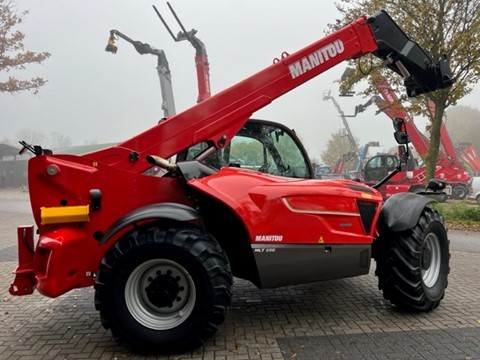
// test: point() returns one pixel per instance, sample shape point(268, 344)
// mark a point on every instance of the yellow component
point(95, 164)
point(321, 241)
point(366, 196)
point(64, 214)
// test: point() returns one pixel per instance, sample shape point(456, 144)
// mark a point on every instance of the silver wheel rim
point(145, 308)
point(431, 249)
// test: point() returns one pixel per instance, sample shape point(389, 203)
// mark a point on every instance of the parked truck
point(161, 242)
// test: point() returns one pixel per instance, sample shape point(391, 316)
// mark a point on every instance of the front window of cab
point(261, 146)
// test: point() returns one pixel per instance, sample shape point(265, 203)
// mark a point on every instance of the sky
point(95, 96)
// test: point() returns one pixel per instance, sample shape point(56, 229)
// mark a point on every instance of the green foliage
point(249, 151)
point(459, 212)
point(289, 150)
point(13, 55)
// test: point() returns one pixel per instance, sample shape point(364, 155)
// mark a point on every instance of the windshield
point(260, 146)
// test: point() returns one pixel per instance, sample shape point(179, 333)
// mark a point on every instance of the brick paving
point(342, 319)
point(444, 344)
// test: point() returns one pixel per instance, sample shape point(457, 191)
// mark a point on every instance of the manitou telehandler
point(160, 242)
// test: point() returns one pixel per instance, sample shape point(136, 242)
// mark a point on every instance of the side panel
point(281, 265)
point(280, 210)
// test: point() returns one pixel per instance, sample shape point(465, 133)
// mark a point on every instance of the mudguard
point(402, 211)
point(171, 211)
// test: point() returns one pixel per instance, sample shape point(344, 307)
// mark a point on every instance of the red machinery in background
point(465, 152)
point(201, 59)
point(448, 167)
point(469, 156)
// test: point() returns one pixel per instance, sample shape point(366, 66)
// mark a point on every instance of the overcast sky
point(93, 95)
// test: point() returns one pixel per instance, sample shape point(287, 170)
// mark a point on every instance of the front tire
point(413, 265)
point(163, 290)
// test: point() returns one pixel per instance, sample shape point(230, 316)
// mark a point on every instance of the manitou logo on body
point(316, 58)
point(271, 238)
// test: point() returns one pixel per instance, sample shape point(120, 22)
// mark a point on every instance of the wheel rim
point(431, 260)
point(160, 294)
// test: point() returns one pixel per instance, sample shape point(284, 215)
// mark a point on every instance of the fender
point(402, 211)
point(171, 211)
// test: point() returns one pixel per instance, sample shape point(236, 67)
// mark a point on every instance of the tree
point(35, 137)
point(339, 148)
point(450, 27)
point(31, 136)
point(58, 140)
point(13, 55)
point(249, 151)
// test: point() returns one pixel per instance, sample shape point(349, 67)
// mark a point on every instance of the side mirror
point(400, 133)
point(401, 137)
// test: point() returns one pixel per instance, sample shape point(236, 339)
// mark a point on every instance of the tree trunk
point(431, 160)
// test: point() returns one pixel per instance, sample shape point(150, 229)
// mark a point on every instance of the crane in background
point(201, 59)
point(163, 69)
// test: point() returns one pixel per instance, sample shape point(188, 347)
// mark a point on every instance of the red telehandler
point(161, 242)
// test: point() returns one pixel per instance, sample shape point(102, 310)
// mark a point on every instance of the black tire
point(413, 265)
point(163, 290)
point(478, 199)
point(459, 192)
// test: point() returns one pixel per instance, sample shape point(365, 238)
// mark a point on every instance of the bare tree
point(58, 140)
point(31, 136)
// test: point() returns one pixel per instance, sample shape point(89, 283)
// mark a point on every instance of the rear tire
point(163, 290)
point(413, 265)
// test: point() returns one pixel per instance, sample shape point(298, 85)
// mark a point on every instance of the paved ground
point(344, 319)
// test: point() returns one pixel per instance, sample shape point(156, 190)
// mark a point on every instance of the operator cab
point(379, 166)
point(262, 146)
